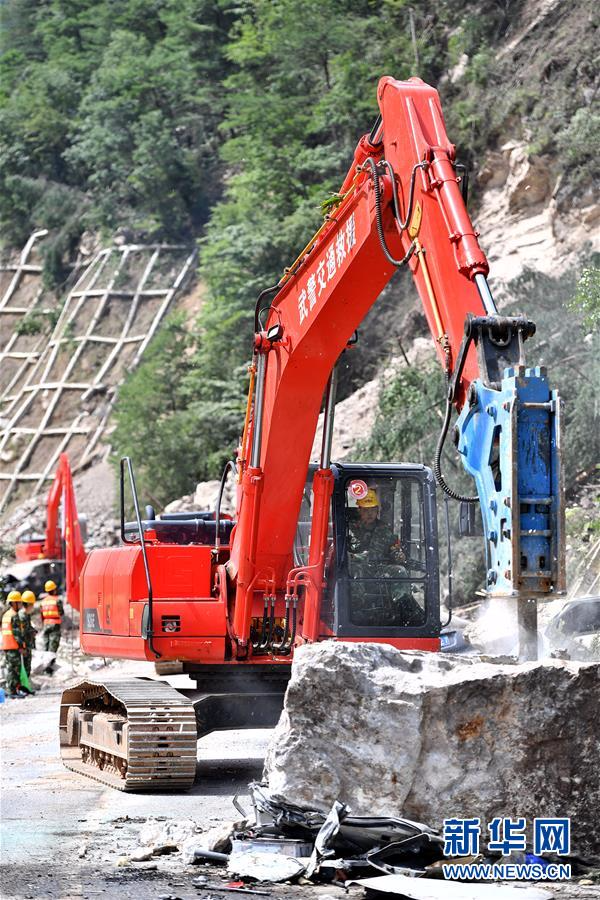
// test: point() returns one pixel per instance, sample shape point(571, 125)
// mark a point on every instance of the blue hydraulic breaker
point(508, 436)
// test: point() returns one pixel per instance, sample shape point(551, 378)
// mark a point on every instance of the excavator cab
point(382, 558)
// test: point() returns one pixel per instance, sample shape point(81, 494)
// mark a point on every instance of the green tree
point(586, 301)
point(152, 420)
point(301, 94)
point(232, 122)
point(113, 106)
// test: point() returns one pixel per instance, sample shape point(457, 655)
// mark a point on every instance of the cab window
point(385, 552)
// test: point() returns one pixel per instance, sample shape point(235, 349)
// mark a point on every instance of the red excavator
point(42, 557)
point(333, 551)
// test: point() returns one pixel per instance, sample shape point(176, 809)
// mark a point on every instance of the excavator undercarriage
point(139, 734)
point(132, 735)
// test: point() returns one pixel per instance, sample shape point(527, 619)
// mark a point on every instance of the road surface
point(50, 815)
point(66, 837)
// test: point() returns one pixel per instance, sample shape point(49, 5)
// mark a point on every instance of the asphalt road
point(49, 816)
point(65, 837)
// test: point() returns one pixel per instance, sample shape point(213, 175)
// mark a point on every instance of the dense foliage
point(587, 298)
point(300, 93)
point(109, 115)
point(230, 121)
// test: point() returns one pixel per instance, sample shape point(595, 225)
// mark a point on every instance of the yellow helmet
point(27, 597)
point(14, 597)
point(369, 500)
point(49, 586)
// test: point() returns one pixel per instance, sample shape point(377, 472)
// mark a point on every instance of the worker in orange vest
point(52, 613)
point(13, 645)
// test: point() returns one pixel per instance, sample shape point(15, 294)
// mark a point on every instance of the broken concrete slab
point(424, 889)
point(431, 737)
point(165, 837)
point(264, 866)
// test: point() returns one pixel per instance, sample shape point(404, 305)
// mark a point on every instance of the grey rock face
point(431, 737)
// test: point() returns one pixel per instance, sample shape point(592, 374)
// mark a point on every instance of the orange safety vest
point(8, 638)
point(50, 613)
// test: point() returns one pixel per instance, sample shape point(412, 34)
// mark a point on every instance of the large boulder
point(432, 737)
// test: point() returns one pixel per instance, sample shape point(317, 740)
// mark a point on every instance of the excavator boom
point(401, 204)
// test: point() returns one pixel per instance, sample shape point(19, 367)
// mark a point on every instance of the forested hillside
point(230, 123)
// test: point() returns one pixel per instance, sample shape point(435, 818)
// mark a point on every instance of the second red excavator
point(41, 557)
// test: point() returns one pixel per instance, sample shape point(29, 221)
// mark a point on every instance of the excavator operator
point(381, 588)
point(370, 537)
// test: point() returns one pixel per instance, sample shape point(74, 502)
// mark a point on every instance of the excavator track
point(133, 735)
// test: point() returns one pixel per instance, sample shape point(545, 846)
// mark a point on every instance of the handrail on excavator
point(126, 461)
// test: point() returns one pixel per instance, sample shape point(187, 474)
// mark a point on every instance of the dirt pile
point(521, 224)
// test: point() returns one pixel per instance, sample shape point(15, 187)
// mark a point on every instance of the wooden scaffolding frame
point(35, 390)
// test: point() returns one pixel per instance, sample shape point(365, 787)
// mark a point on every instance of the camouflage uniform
point(12, 659)
point(52, 632)
point(12, 667)
point(376, 555)
point(28, 633)
point(52, 635)
point(372, 546)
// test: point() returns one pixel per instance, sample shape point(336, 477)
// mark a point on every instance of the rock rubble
point(431, 737)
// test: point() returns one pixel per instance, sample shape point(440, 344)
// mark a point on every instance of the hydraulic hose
point(229, 466)
point(379, 219)
point(437, 461)
point(261, 643)
point(280, 645)
point(403, 225)
point(258, 309)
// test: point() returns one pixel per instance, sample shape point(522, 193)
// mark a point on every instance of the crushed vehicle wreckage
point(338, 843)
point(286, 842)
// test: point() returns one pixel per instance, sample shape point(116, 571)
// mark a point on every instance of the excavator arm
point(74, 550)
point(51, 548)
point(53, 542)
point(400, 204)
